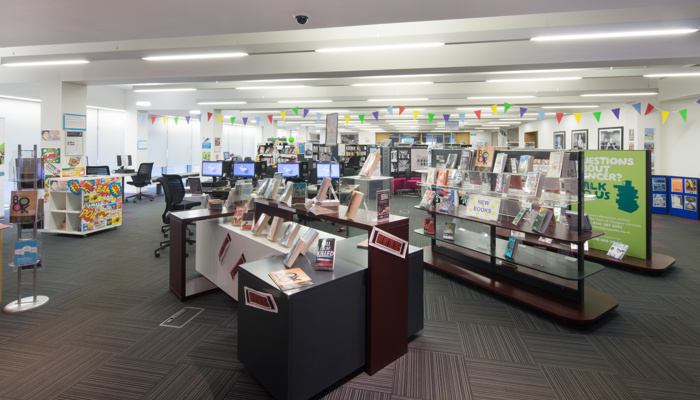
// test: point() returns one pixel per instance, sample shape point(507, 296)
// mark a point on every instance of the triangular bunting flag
point(578, 117)
point(296, 110)
point(478, 114)
point(269, 117)
point(284, 115)
point(698, 101)
point(376, 115)
point(506, 106)
point(176, 118)
point(522, 111)
point(494, 108)
point(664, 115)
point(461, 117)
point(597, 115)
point(415, 114)
point(199, 117)
point(187, 118)
point(540, 115)
point(559, 117)
point(446, 116)
point(616, 111)
point(232, 120)
point(391, 110)
point(650, 108)
point(245, 121)
point(165, 120)
point(318, 116)
point(153, 119)
point(306, 111)
point(347, 119)
point(638, 107)
point(257, 121)
point(683, 113)
point(209, 116)
point(430, 118)
point(221, 118)
point(401, 110)
point(143, 116)
point(362, 118)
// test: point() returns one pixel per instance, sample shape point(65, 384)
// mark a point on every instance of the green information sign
point(618, 179)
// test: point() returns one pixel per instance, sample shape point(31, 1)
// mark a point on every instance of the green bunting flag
point(430, 118)
point(506, 106)
point(362, 118)
point(296, 110)
point(683, 113)
point(176, 118)
point(232, 119)
point(596, 114)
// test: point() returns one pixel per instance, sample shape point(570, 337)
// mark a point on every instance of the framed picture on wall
point(579, 139)
point(610, 138)
point(560, 140)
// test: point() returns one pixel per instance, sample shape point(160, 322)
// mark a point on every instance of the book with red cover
point(441, 177)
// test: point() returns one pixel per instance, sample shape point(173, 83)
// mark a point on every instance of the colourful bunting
point(540, 114)
point(683, 113)
point(187, 118)
point(153, 119)
point(245, 121)
point(232, 120)
point(506, 106)
point(176, 118)
point(318, 116)
point(401, 110)
point(415, 114)
point(165, 120)
point(362, 118)
point(559, 117)
point(430, 118)
point(143, 116)
point(347, 120)
point(296, 111)
point(650, 108)
point(578, 117)
point(269, 117)
point(284, 115)
point(638, 107)
point(616, 111)
point(461, 117)
point(209, 116)
point(199, 117)
point(664, 115)
point(698, 101)
point(478, 114)
point(376, 115)
point(596, 114)
point(306, 111)
point(221, 118)
point(446, 116)
point(391, 110)
point(257, 121)
point(494, 108)
point(522, 111)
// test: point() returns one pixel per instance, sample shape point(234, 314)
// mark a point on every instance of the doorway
point(531, 137)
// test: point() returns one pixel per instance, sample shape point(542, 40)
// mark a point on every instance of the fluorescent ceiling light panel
point(518, 119)
point(393, 84)
point(20, 98)
point(105, 108)
point(572, 106)
point(205, 103)
point(143, 103)
point(614, 35)
point(282, 80)
point(397, 76)
point(564, 78)
point(270, 87)
point(195, 112)
point(304, 101)
point(381, 47)
point(410, 99)
point(164, 90)
point(618, 94)
point(672, 75)
point(533, 71)
point(43, 63)
point(179, 57)
point(498, 97)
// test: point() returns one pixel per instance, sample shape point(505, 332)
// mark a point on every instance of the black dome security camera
point(302, 18)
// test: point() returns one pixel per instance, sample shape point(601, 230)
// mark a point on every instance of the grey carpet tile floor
point(99, 335)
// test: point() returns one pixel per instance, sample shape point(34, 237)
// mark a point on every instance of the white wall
point(240, 140)
point(678, 141)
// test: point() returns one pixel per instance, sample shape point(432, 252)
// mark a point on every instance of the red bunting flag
point(478, 114)
point(209, 116)
point(650, 108)
point(559, 117)
point(270, 118)
point(153, 119)
point(401, 110)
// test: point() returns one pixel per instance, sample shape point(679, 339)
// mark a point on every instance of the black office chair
point(174, 191)
point(141, 180)
point(247, 159)
point(97, 170)
point(349, 172)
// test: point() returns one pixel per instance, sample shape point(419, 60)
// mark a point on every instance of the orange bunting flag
point(153, 119)
point(165, 120)
point(578, 117)
point(401, 110)
point(221, 118)
point(650, 108)
point(559, 117)
point(664, 115)
point(269, 117)
point(347, 119)
point(283, 114)
point(494, 108)
point(415, 114)
point(683, 113)
point(478, 114)
point(209, 116)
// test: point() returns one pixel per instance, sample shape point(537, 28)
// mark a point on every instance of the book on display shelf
point(238, 216)
point(25, 252)
point(325, 255)
point(323, 189)
point(275, 229)
point(308, 239)
point(441, 177)
point(354, 204)
point(286, 195)
point(500, 164)
point(466, 160)
point(451, 177)
point(247, 221)
point(458, 178)
point(448, 232)
point(572, 220)
point(519, 217)
point(533, 184)
point(542, 220)
point(262, 186)
point(297, 248)
point(370, 164)
point(545, 240)
point(427, 200)
point(290, 233)
point(484, 157)
point(618, 250)
point(540, 165)
point(260, 225)
point(273, 188)
point(511, 247)
point(383, 200)
point(446, 204)
point(287, 279)
point(513, 165)
point(525, 164)
point(431, 176)
point(516, 182)
point(451, 161)
point(501, 185)
point(298, 193)
point(557, 161)
point(429, 225)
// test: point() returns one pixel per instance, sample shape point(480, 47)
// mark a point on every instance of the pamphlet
point(383, 204)
point(25, 252)
point(618, 250)
point(294, 278)
point(448, 233)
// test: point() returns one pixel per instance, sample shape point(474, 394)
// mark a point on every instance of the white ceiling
point(482, 37)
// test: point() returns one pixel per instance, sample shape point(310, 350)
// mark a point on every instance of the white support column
point(211, 129)
point(58, 98)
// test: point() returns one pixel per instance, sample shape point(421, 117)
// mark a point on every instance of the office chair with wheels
point(141, 180)
point(97, 170)
point(247, 159)
point(349, 171)
point(174, 191)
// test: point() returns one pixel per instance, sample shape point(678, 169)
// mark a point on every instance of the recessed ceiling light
point(205, 103)
point(178, 57)
point(397, 76)
point(282, 80)
point(570, 106)
point(565, 78)
point(380, 47)
point(498, 97)
point(518, 119)
point(533, 71)
point(613, 35)
point(43, 63)
point(270, 87)
point(304, 101)
point(105, 108)
point(143, 103)
point(392, 84)
point(195, 112)
point(409, 99)
point(164, 90)
point(21, 98)
point(672, 75)
point(618, 94)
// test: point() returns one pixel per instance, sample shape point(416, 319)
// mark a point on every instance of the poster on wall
point(51, 155)
point(579, 139)
point(610, 138)
point(51, 136)
point(559, 141)
point(419, 159)
point(206, 143)
point(74, 143)
point(649, 143)
point(618, 179)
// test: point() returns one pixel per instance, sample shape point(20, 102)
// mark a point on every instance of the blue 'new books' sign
point(25, 252)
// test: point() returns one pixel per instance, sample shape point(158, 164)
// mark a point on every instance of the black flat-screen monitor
point(331, 170)
point(244, 169)
point(213, 168)
point(288, 170)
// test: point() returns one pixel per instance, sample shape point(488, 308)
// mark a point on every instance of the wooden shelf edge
point(595, 306)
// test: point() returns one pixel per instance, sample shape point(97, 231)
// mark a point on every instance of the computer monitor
point(227, 155)
point(288, 170)
point(244, 169)
point(119, 161)
point(124, 160)
point(331, 170)
point(213, 168)
point(227, 168)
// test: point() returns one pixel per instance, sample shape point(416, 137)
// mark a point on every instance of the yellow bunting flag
point(664, 115)
point(578, 117)
point(283, 114)
point(494, 108)
point(347, 119)
point(415, 114)
point(165, 120)
point(221, 118)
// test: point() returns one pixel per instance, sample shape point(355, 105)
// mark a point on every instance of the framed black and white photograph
point(559, 140)
point(579, 139)
point(610, 138)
